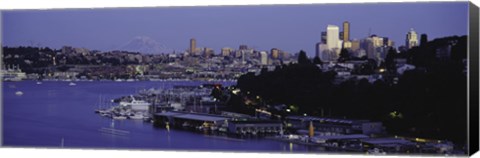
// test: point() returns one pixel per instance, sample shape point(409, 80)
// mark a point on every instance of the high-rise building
point(226, 51)
point(324, 53)
point(208, 52)
point(412, 39)
point(355, 45)
point(193, 44)
point(332, 37)
point(377, 41)
point(263, 58)
point(347, 44)
point(346, 31)
point(367, 45)
point(275, 53)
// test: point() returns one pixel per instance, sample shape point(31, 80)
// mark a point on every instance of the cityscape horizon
point(226, 26)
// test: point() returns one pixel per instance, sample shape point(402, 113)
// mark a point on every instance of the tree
point(317, 60)
point(423, 40)
point(390, 60)
point(302, 58)
point(344, 55)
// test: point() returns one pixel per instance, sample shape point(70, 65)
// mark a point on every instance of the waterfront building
point(331, 126)
point(65, 75)
point(12, 73)
point(186, 119)
point(412, 39)
point(255, 127)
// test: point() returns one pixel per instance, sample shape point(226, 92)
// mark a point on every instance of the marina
point(57, 111)
point(106, 115)
point(168, 108)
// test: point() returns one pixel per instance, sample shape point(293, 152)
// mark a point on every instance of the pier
point(190, 120)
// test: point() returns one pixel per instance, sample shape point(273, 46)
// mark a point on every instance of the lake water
point(51, 112)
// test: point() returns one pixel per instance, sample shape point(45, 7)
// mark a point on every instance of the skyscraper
point(193, 44)
point(346, 31)
point(275, 53)
point(332, 37)
point(412, 39)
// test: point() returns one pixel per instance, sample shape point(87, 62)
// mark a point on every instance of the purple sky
point(287, 27)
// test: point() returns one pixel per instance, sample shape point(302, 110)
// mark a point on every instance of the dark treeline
point(429, 101)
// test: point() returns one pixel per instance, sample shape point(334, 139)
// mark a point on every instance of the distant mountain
point(144, 44)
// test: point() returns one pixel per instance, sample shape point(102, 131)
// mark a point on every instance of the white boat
point(130, 80)
point(18, 93)
point(136, 117)
point(136, 105)
point(39, 82)
point(213, 128)
point(119, 117)
point(72, 84)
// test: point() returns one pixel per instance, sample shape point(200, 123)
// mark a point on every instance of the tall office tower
point(193, 44)
point(332, 37)
point(377, 41)
point(275, 53)
point(412, 39)
point(323, 37)
point(346, 31)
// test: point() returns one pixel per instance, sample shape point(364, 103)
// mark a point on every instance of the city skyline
point(259, 27)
